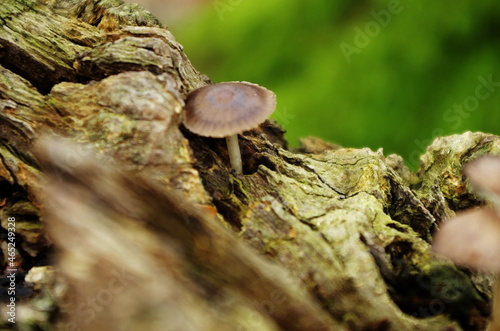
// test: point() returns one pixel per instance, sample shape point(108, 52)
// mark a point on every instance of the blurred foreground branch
point(149, 228)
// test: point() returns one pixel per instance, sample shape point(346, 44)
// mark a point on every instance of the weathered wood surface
point(151, 229)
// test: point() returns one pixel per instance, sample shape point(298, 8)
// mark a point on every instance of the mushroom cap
point(225, 109)
point(471, 239)
point(484, 175)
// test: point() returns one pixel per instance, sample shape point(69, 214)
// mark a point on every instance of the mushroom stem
point(494, 324)
point(234, 153)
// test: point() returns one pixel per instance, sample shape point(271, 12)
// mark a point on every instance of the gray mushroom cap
point(471, 239)
point(225, 109)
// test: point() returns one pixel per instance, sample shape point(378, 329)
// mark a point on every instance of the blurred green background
point(391, 74)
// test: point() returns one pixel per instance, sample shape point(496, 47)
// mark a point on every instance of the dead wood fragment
point(109, 225)
point(345, 233)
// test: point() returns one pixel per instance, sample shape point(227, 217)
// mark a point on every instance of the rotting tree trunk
point(151, 229)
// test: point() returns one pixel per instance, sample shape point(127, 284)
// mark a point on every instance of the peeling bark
point(147, 221)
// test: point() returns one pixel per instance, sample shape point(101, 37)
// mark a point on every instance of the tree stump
point(124, 220)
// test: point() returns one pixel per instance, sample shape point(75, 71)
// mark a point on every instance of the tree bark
point(127, 221)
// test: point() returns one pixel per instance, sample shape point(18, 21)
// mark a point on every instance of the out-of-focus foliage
point(372, 73)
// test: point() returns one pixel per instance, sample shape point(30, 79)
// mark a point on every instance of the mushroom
point(472, 238)
point(226, 109)
point(484, 175)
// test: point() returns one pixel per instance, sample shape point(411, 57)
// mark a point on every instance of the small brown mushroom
point(226, 109)
point(484, 175)
point(472, 238)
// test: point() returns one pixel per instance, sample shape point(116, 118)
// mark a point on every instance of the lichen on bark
point(318, 238)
